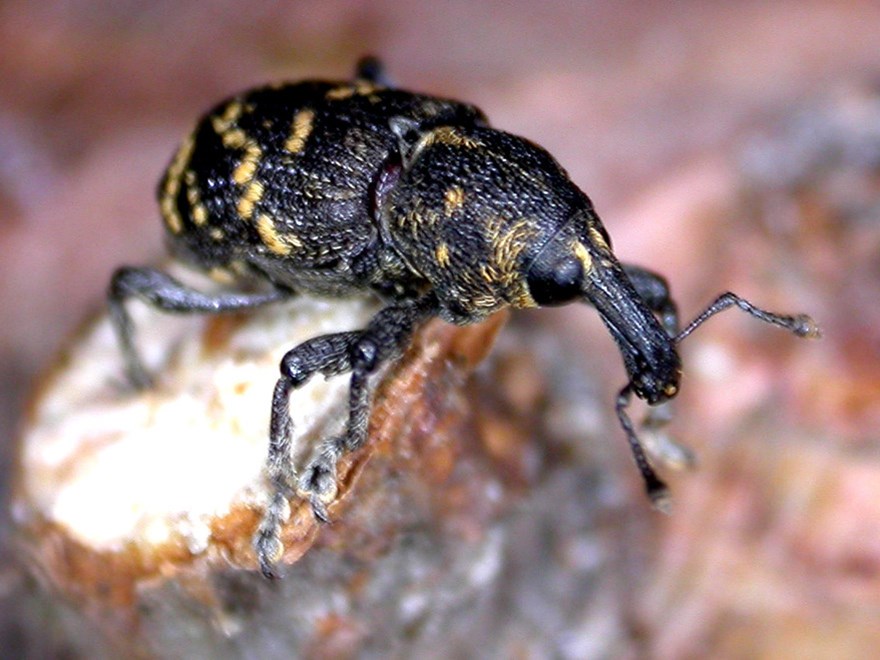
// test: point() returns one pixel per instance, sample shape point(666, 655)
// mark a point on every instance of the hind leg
point(167, 294)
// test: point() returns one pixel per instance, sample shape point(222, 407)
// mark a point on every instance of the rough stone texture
point(459, 528)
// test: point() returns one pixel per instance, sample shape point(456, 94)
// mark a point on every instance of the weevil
point(361, 188)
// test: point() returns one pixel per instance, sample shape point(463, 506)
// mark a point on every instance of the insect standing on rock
point(339, 188)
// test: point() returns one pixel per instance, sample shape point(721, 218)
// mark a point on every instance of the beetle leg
point(384, 339)
point(362, 353)
point(371, 69)
point(163, 292)
point(656, 488)
point(329, 355)
point(653, 289)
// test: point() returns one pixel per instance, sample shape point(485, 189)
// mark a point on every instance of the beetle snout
point(654, 388)
point(649, 353)
point(653, 366)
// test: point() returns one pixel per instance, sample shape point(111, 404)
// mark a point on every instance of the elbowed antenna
point(801, 325)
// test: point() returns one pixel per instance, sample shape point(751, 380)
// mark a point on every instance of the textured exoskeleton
point(336, 188)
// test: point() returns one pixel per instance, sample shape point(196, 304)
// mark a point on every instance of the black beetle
point(334, 188)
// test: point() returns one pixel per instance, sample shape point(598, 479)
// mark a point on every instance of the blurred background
point(726, 145)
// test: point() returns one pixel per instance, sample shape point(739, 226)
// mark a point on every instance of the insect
point(340, 188)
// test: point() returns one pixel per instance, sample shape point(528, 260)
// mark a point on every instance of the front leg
point(654, 291)
point(362, 353)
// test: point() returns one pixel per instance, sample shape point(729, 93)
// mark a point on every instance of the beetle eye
point(556, 282)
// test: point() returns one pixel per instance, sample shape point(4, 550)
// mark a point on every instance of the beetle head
point(577, 264)
point(491, 220)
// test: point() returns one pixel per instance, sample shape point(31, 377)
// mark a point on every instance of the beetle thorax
point(470, 209)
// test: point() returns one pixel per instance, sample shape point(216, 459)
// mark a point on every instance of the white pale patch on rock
point(114, 466)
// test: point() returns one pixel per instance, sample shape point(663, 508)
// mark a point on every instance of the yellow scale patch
point(419, 220)
point(449, 135)
point(503, 269)
point(193, 196)
point(582, 255)
point(221, 275)
point(251, 197)
point(453, 200)
point(442, 255)
point(359, 88)
point(280, 244)
point(443, 135)
point(224, 126)
point(301, 128)
point(598, 239)
point(167, 204)
point(243, 174)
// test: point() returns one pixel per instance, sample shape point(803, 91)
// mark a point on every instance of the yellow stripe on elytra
point(168, 203)
point(278, 243)
point(346, 91)
point(251, 197)
point(244, 175)
point(244, 172)
point(301, 128)
point(224, 125)
point(193, 196)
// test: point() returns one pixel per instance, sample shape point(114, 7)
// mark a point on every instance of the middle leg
point(361, 353)
point(383, 340)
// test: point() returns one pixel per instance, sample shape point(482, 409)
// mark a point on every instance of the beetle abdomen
point(279, 180)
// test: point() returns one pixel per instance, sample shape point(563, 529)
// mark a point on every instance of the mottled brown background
point(689, 124)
